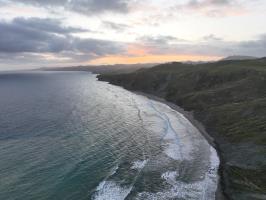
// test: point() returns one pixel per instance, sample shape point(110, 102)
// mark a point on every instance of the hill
point(239, 58)
point(229, 98)
point(103, 69)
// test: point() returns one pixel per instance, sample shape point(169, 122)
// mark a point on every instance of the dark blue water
point(65, 135)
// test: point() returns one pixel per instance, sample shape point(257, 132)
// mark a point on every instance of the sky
point(52, 33)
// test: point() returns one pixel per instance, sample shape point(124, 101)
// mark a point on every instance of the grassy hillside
point(229, 98)
point(103, 69)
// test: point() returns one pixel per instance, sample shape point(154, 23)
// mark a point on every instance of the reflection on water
point(65, 135)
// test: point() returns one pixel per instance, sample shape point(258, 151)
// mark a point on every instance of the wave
point(199, 190)
point(110, 190)
point(173, 150)
point(139, 164)
point(179, 140)
point(204, 189)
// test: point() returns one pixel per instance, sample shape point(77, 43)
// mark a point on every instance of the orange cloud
point(137, 50)
point(116, 59)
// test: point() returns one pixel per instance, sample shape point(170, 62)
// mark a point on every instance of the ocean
point(68, 136)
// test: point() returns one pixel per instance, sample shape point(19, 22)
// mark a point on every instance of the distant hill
point(229, 98)
point(104, 69)
point(239, 58)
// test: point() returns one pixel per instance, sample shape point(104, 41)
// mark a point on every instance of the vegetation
point(229, 98)
point(103, 69)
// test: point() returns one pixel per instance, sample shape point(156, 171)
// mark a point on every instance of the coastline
point(189, 115)
point(222, 97)
point(220, 195)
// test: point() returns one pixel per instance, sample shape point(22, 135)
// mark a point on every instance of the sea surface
point(68, 136)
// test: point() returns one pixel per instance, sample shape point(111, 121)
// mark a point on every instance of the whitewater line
point(166, 119)
point(143, 126)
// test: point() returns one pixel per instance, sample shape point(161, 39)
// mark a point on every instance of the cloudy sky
point(38, 33)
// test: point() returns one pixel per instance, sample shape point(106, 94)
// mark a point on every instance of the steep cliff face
point(229, 98)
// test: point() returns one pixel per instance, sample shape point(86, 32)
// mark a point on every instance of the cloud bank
point(87, 7)
point(36, 37)
point(66, 32)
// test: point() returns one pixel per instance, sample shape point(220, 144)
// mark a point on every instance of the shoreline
point(189, 115)
point(220, 195)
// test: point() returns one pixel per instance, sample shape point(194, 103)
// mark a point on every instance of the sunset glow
point(65, 33)
point(150, 59)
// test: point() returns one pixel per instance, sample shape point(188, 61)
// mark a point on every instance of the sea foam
point(139, 164)
point(109, 190)
point(203, 189)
